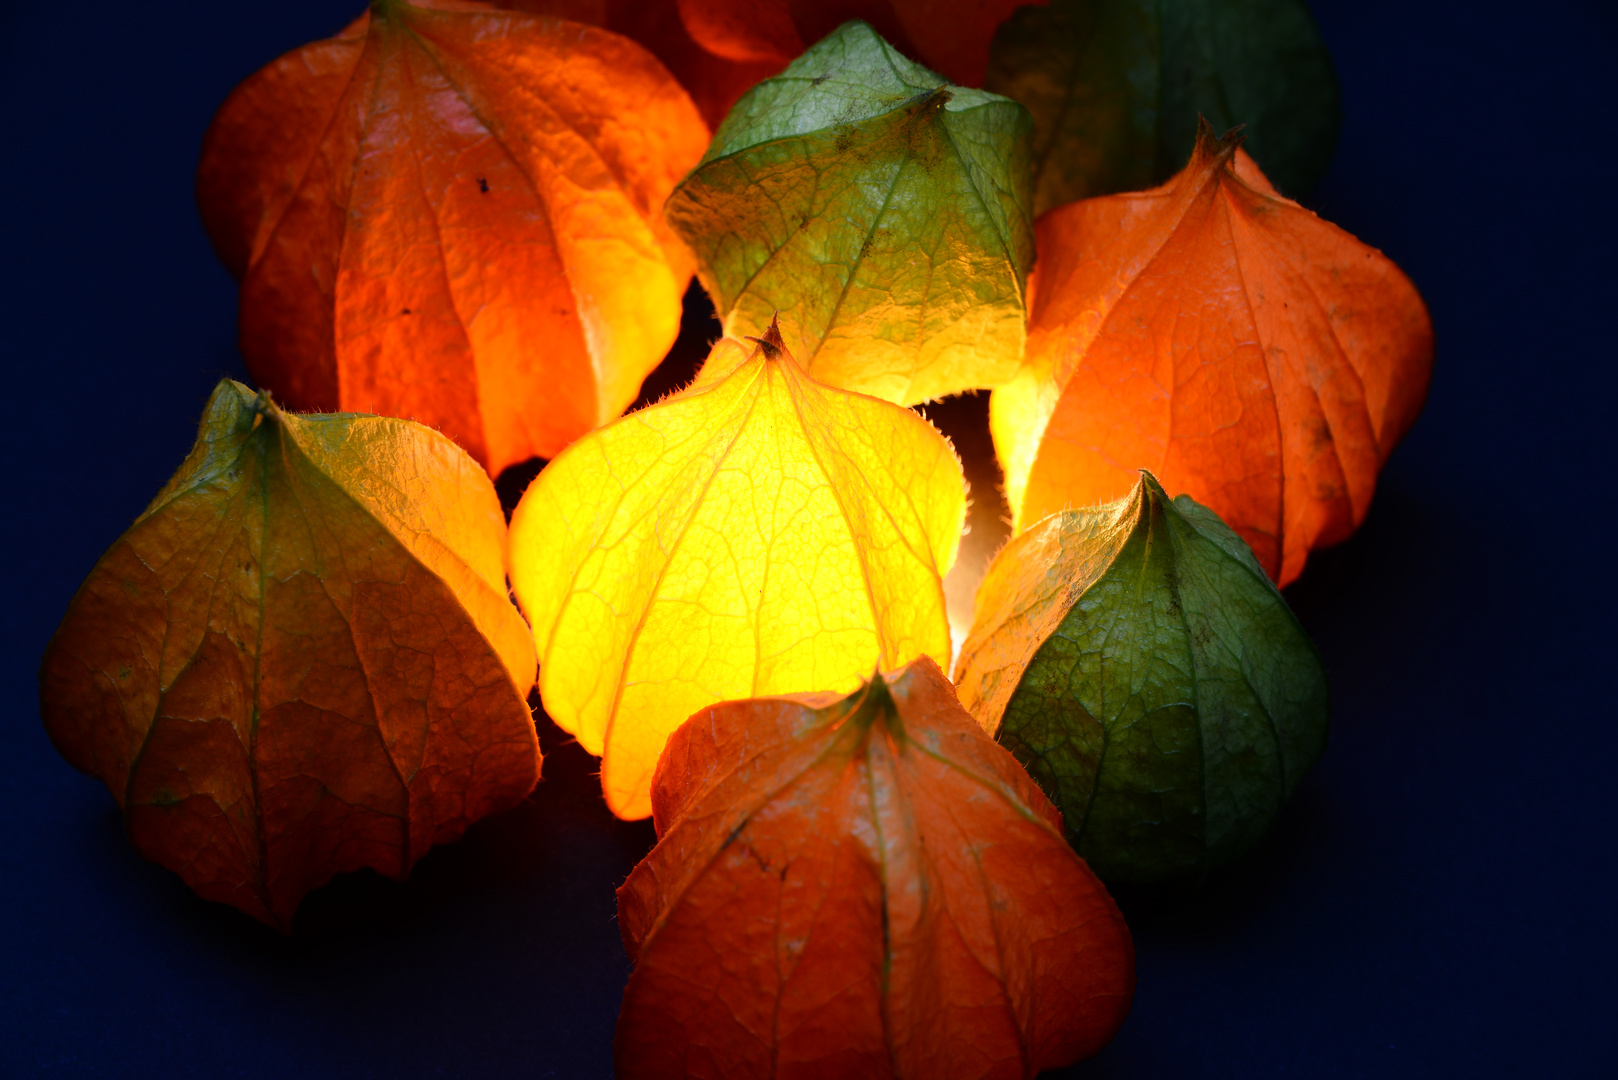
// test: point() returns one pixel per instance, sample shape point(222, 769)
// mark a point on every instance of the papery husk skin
point(757, 533)
point(300, 659)
point(453, 213)
point(1137, 660)
point(880, 213)
point(1247, 352)
point(861, 886)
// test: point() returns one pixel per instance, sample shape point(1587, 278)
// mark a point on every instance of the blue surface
point(1439, 900)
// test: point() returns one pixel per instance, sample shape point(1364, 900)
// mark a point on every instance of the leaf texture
point(879, 212)
point(1251, 355)
point(757, 534)
point(1141, 665)
point(861, 887)
point(301, 658)
point(453, 213)
point(1116, 86)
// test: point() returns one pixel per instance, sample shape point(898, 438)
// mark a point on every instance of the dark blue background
point(1439, 901)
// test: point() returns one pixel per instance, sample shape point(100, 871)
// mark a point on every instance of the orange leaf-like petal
point(756, 30)
point(1248, 353)
point(453, 213)
point(864, 887)
point(301, 658)
point(950, 36)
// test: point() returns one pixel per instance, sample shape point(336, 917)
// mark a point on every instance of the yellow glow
point(757, 534)
point(1018, 413)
